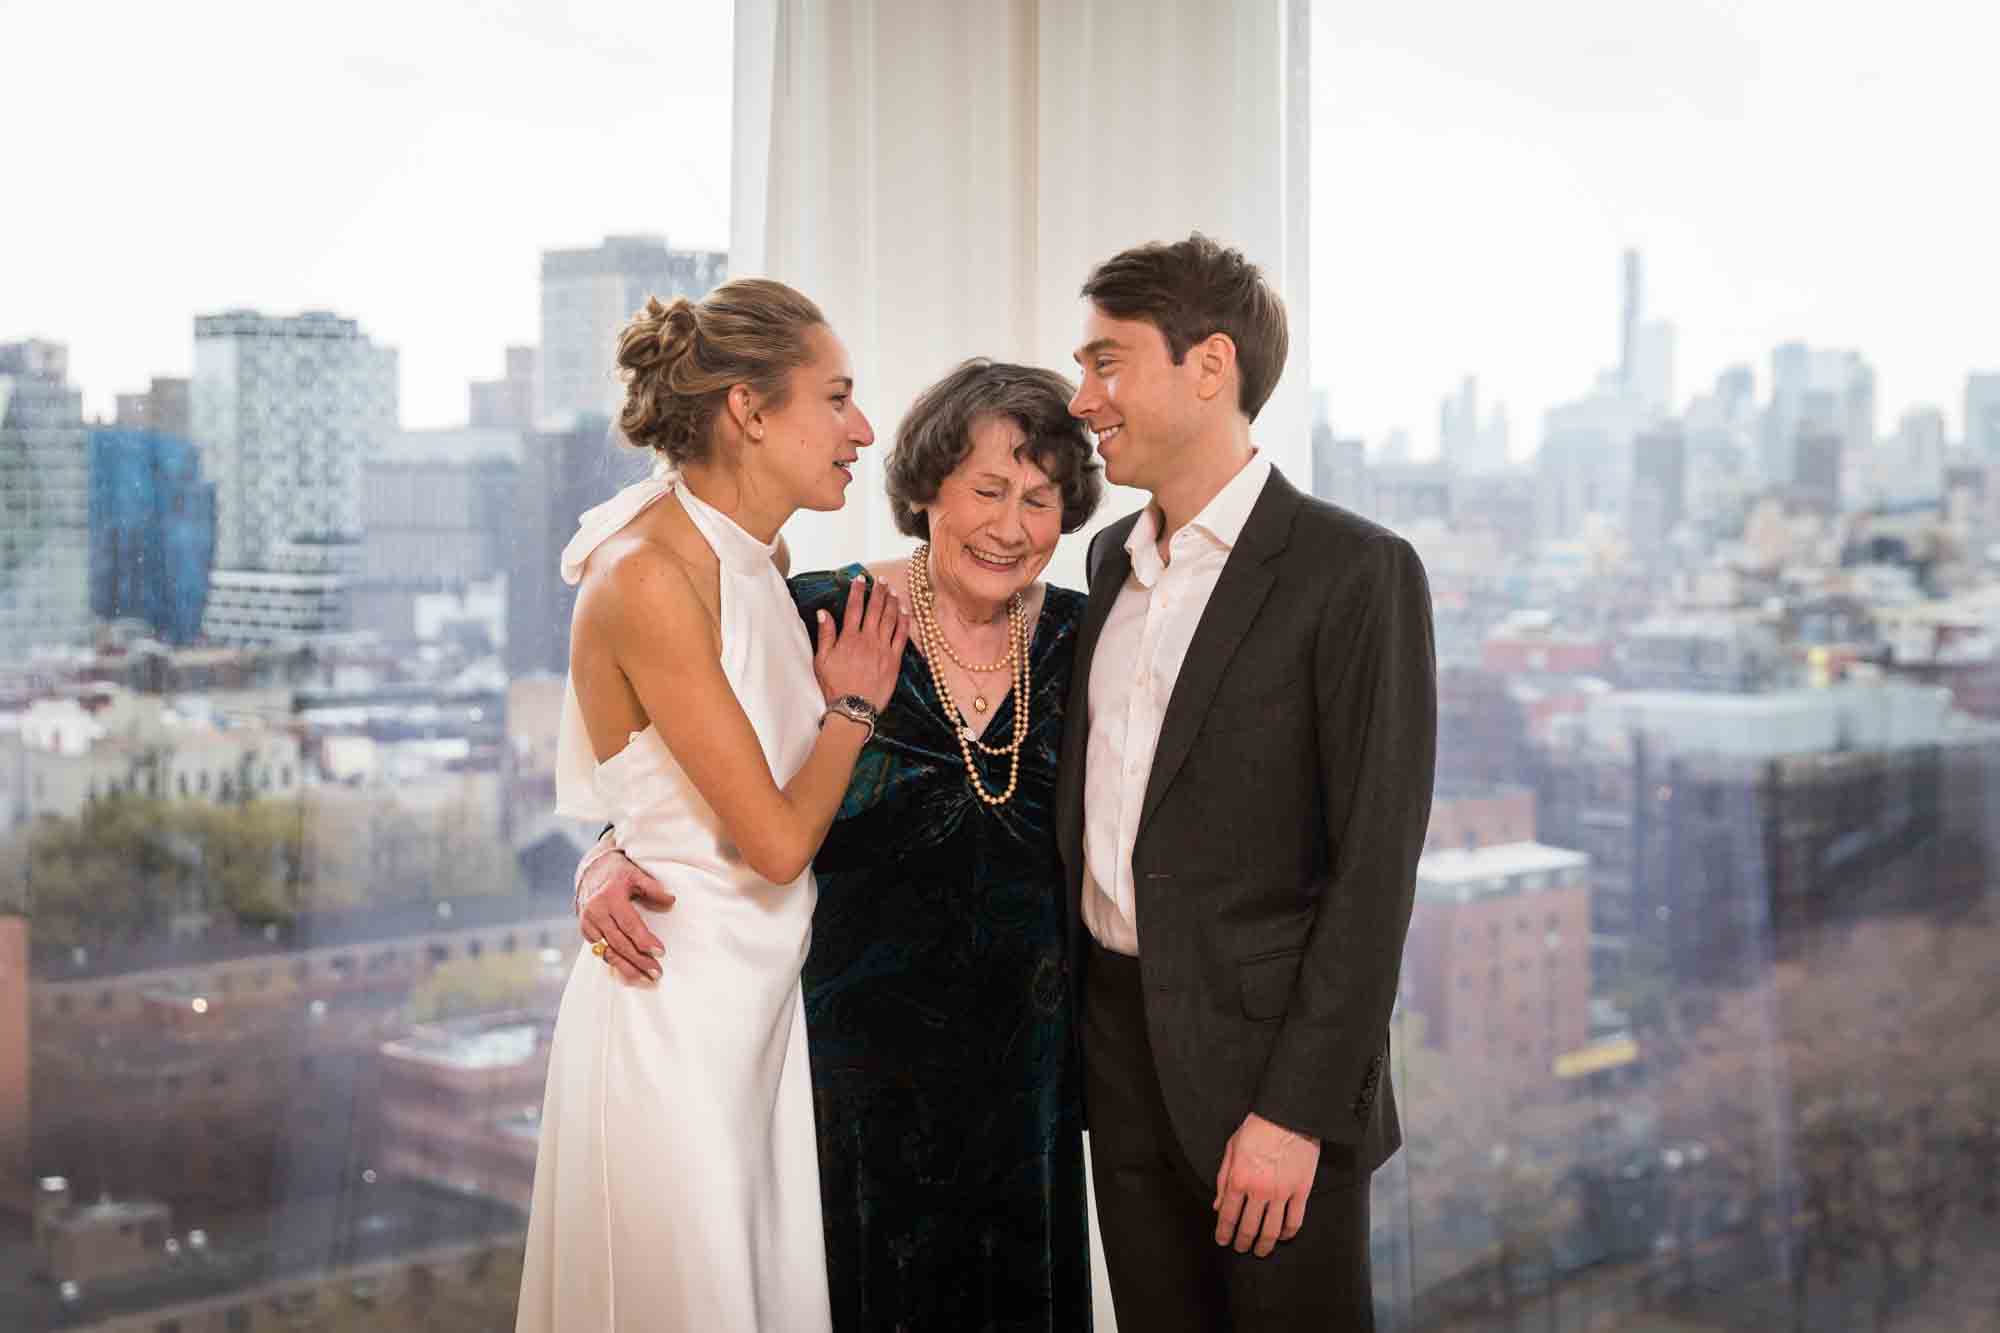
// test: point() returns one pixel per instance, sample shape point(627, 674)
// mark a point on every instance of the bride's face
point(813, 440)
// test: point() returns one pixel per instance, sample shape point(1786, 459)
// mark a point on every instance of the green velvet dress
point(945, 1078)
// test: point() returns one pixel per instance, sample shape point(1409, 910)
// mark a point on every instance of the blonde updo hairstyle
point(680, 360)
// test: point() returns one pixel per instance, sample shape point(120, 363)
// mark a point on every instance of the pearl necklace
point(931, 639)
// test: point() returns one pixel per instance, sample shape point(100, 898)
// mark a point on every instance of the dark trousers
point(1154, 1211)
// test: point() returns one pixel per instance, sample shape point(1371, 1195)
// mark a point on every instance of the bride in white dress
point(718, 740)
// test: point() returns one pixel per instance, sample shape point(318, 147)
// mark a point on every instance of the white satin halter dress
point(676, 1175)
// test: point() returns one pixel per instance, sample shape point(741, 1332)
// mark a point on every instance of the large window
point(304, 379)
point(1666, 333)
point(1624, 319)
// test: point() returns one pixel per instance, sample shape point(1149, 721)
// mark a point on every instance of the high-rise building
point(1722, 462)
point(1659, 484)
point(1585, 461)
point(152, 531)
point(1821, 390)
point(1497, 440)
point(587, 297)
point(438, 509)
point(1469, 443)
point(1736, 393)
point(1712, 818)
point(1652, 377)
point(167, 406)
point(1817, 467)
point(44, 509)
point(1645, 347)
point(1857, 405)
point(1483, 726)
point(562, 474)
point(1402, 495)
point(1982, 413)
point(1630, 313)
point(507, 403)
point(1909, 468)
point(1340, 469)
point(1458, 424)
point(287, 410)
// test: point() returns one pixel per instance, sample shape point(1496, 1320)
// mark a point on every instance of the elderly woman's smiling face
point(996, 519)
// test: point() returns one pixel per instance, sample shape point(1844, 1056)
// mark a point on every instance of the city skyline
point(1789, 172)
point(285, 904)
point(1758, 180)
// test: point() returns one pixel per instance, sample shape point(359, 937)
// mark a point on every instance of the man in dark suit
point(1245, 785)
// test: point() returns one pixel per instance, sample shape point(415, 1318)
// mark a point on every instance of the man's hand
point(609, 887)
point(1260, 1192)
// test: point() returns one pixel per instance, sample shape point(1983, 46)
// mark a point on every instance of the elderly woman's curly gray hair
point(936, 435)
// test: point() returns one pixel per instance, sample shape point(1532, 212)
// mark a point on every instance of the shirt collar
point(1221, 519)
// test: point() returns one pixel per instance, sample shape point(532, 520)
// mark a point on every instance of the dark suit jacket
point(1278, 840)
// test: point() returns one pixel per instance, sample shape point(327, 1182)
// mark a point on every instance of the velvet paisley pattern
point(945, 1078)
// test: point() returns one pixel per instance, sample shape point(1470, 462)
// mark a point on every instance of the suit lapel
point(1114, 569)
point(1239, 594)
point(1104, 589)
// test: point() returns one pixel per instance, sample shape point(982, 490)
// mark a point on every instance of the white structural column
point(942, 176)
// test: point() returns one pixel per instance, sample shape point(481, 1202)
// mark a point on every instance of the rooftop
point(326, 930)
point(109, 1212)
point(301, 1240)
point(1696, 624)
point(501, 1047)
point(1473, 789)
point(449, 446)
point(1509, 858)
point(1459, 873)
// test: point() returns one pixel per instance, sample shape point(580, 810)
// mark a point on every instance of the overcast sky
point(1790, 170)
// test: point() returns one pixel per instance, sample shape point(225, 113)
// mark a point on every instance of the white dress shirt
point(1132, 674)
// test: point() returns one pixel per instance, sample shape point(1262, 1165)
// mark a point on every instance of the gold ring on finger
point(600, 948)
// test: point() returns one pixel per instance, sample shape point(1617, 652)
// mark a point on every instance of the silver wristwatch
point(855, 709)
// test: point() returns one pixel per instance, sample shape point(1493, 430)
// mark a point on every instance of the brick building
point(222, 1073)
point(460, 1106)
point(1467, 815)
point(14, 1084)
point(1722, 827)
point(1499, 961)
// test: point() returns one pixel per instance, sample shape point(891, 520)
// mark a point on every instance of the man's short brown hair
point(1192, 289)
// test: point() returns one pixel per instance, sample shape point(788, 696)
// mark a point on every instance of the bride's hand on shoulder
point(864, 652)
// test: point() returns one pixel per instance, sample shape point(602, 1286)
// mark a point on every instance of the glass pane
point(290, 437)
point(1607, 330)
point(1663, 331)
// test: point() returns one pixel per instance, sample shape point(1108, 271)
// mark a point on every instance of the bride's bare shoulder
point(644, 579)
